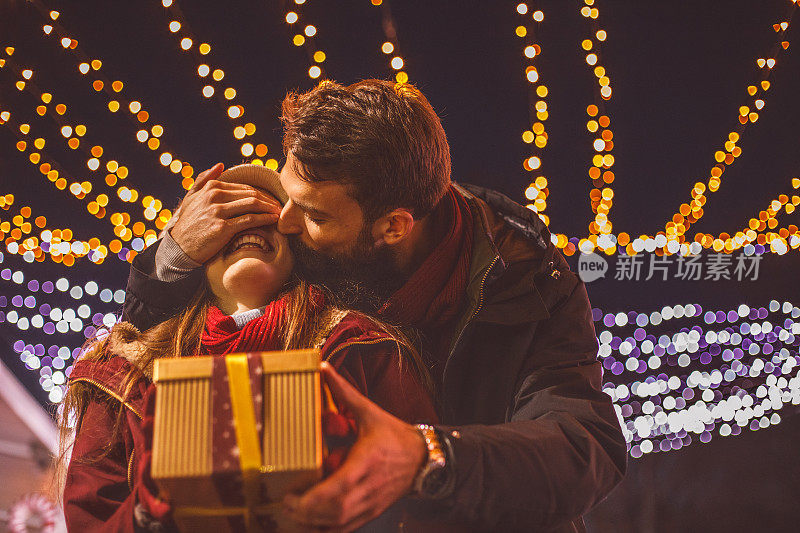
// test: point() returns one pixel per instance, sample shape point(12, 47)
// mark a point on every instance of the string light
point(753, 372)
point(55, 174)
point(58, 244)
point(673, 240)
point(91, 69)
point(689, 213)
point(115, 170)
point(225, 96)
point(599, 127)
point(536, 137)
point(390, 47)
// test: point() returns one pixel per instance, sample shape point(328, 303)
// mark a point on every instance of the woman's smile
point(250, 239)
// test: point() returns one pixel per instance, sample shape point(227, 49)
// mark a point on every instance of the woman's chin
point(252, 275)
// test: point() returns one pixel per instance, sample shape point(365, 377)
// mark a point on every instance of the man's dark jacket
point(536, 442)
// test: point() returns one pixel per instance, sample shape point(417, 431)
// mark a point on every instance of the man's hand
point(379, 469)
point(212, 212)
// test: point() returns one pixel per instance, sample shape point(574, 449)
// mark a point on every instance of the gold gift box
point(289, 457)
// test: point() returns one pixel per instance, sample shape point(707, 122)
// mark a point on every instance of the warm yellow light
point(298, 40)
point(319, 56)
point(230, 93)
point(521, 31)
point(218, 74)
point(204, 48)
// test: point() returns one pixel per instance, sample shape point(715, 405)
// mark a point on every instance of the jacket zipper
point(474, 314)
point(110, 393)
point(356, 343)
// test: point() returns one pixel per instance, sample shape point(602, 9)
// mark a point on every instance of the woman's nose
point(288, 221)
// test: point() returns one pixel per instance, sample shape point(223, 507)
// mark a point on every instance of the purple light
point(33, 285)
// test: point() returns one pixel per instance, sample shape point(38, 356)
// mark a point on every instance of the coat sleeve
point(108, 485)
point(150, 301)
point(381, 372)
point(562, 450)
point(97, 496)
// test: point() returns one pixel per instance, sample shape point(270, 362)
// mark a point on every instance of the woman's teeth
point(250, 241)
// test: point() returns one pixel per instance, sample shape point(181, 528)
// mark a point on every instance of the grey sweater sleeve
point(171, 261)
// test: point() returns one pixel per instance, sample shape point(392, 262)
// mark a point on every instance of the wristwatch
point(436, 478)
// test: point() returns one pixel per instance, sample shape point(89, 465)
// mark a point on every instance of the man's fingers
point(323, 503)
point(249, 204)
point(345, 394)
point(210, 174)
point(250, 220)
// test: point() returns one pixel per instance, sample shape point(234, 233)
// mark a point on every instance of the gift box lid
point(174, 368)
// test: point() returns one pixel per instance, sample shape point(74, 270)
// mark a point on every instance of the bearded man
point(527, 440)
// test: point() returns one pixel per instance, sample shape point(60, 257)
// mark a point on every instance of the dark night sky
point(678, 70)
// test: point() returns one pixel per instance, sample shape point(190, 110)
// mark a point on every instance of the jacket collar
point(502, 287)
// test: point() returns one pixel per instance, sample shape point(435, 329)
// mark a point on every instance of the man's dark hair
point(381, 138)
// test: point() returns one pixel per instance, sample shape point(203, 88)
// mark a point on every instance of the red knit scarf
point(222, 336)
point(434, 294)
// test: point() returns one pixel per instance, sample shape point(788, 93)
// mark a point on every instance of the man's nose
point(287, 222)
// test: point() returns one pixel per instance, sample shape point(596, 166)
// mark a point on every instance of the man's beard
point(362, 279)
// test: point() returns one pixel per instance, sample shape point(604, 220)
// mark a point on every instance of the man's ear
point(393, 227)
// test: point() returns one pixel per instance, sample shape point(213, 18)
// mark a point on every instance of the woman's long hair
point(180, 336)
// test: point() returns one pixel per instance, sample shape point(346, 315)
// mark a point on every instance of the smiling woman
point(250, 301)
